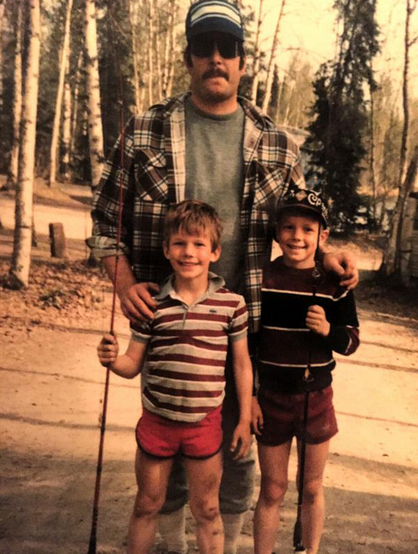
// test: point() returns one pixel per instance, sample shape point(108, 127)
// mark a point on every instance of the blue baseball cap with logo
point(208, 16)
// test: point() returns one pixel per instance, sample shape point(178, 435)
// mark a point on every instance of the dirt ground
point(51, 399)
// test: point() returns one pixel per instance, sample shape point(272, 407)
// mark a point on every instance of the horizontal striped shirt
point(286, 343)
point(187, 348)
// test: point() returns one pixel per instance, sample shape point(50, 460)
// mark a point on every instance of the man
point(210, 145)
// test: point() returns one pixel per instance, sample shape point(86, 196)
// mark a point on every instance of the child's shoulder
point(226, 295)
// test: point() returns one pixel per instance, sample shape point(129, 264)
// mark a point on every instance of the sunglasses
point(204, 45)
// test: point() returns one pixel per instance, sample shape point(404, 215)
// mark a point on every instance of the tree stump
point(57, 238)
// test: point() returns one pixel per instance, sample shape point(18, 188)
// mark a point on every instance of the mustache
point(215, 72)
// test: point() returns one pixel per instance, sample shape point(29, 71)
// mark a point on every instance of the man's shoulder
point(162, 109)
point(272, 137)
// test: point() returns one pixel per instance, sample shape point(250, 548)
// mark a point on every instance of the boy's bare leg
point(313, 507)
point(274, 462)
point(204, 481)
point(152, 478)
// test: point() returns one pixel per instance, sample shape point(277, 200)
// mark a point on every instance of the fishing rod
point(307, 380)
point(95, 514)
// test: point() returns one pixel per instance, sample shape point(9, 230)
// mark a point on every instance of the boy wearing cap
point(299, 329)
point(212, 145)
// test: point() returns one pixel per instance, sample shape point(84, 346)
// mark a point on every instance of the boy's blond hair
point(193, 217)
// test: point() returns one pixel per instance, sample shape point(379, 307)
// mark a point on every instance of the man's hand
point(344, 264)
point(316, 320)
point(137, 304)
point(241, 441)
point(257, 420)
point(108, 350)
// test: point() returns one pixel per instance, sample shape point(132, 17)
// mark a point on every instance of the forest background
point(339, 75)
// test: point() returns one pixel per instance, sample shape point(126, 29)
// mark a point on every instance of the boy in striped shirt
point(184, 349)
point(305, 316)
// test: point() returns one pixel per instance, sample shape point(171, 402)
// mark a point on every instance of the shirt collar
point(167, 289)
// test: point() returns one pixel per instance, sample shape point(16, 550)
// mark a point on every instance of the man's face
point(214, 77)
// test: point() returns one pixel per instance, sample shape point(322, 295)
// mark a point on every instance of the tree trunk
point(19, 272)
point(372, 158)
point(393, 252)
point(93, 86)
point(135, 62)
point(1, 52)
point(60, 92)
point(66, 125)
point(172, 54)
point(410, 8)
point(269, 79)
point(257, 53)
point(74, 107)
point(17, 98)
point(150, 49)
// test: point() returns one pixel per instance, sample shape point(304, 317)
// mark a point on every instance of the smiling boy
point(185, 346)
point(298, 331)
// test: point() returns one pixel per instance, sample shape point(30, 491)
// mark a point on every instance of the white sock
point(172, 528)
point(232, 528)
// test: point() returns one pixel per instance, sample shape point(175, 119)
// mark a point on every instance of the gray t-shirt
point(215, 174)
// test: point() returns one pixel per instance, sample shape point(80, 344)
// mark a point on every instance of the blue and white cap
point(220, 16)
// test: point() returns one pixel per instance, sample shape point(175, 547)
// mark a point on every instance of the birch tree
point(93, 86)
point(133, 19)
point(17, 96)
point(257, 53)
point(150, 50)
point(273, 53)
point(19, 271)
point(63, 65)
point(392, 259)
point(66, 124)
point(408, 43)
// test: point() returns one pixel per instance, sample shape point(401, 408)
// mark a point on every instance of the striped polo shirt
point(187, 348)
point(286, 343)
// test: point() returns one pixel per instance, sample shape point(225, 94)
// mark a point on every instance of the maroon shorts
point(283, 417)
point(163, 438)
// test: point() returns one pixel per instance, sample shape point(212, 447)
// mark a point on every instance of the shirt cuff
point(102, 247)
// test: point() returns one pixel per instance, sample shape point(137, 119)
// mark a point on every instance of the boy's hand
point(241, 441)
point(316, 321)
point(344, 264)
point(108, 350)
point(257, 420)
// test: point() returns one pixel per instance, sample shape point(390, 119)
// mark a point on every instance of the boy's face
point(297, 236)
point(191, 255)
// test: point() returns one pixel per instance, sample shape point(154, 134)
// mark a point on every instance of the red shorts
point(163, 438)
point(283, 417)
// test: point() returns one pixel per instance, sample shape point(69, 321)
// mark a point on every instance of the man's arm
point(136, 301)
point(344, 264)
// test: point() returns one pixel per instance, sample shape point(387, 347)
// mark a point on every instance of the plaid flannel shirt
point(152, 172)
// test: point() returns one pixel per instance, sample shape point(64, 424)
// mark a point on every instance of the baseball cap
point(206, 16)
point(303, 199)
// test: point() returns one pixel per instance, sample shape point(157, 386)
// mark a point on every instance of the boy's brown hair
point(193, 217)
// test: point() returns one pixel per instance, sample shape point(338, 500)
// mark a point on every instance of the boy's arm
point(128, 365)
point(344, 335)
point(340, 327)
point(243, 374)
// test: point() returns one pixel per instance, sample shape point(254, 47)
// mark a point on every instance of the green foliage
point(336, 146)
